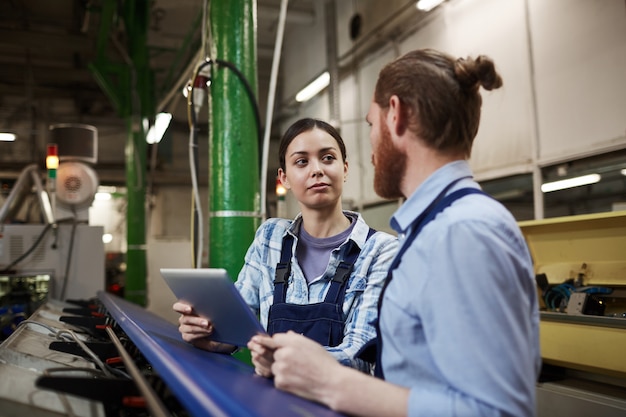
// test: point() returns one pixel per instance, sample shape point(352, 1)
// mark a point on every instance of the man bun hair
point(440, 96)
point(474, 73)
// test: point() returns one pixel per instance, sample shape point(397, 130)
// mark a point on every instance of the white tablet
point(213, 295)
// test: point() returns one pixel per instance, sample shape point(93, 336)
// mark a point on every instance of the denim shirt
point(256, 280)
point(460, 319)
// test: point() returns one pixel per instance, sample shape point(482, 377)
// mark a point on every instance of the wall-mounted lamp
point(156, 131)
point(570, 183)
point(281, 204)
point(281, 191)
point(7, 137)
point(428, 5)
point(313, 88)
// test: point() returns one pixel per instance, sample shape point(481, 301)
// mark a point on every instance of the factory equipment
point(580, 265)
point(76, 182)
point(52, 253)
point(110, 357)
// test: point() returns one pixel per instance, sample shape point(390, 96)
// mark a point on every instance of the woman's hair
point(439, 94)
point(305, 125)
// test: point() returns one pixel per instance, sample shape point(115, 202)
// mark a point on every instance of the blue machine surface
point(206, 384)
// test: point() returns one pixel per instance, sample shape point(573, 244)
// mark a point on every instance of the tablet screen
point(213, 295)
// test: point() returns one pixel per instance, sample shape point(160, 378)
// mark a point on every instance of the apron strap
point(283, 270)
point(436, 207)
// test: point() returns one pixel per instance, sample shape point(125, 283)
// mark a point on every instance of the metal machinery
point(110, 357)
point(580, 262)
point(52, 252)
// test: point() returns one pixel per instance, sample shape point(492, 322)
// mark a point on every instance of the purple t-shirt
point(313, 253)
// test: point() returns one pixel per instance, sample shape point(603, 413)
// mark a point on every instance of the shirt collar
point(359, 231)
point(427, 192)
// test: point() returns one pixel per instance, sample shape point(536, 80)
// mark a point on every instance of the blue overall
point(323, 322)
point(373, 349)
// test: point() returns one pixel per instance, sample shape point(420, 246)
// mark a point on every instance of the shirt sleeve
point(250, 281)
point(366, 282)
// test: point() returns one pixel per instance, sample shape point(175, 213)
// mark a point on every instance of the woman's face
point(314, 169)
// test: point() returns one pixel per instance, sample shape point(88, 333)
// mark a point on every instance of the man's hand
point(299, 364)
point(262, 354)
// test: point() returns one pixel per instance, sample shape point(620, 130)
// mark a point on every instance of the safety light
point(52, 159)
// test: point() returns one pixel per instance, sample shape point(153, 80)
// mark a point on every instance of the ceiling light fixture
point(623, 172)
point(427, 5)
point(7, 137)
point(313, 88)
point(156, 131)
point(570, 183)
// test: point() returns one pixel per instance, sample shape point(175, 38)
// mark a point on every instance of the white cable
point(88, 351)
point(270, 104)
point(59, 333)
point(196, 198)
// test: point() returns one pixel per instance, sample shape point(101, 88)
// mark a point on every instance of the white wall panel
point(580, 65)
point(304, 54)
point(496, 29)
point(368, 74)
point(563, 63)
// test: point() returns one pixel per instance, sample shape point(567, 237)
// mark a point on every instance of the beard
point(389, 167)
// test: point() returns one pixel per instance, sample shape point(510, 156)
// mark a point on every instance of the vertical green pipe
point(233, 172)
point(136, 270)
point(141, 105)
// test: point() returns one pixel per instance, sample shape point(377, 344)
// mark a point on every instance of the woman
point(320, 274)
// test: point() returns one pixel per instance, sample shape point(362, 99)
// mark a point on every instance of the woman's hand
point(197, 330)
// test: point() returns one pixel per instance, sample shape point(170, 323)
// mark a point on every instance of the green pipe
point(136, 269)
point(233, 151)
point(130, 87)
point(141, 100)
point(99, 70)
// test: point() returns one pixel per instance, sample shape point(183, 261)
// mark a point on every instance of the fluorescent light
point(315, 87)
point(427, 5)
point(100, 196)
point(570, 183)
point(7, 137)
point(107, 189)
point(156, 132)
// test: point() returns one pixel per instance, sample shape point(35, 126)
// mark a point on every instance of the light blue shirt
point(459, 319)
point(256, 280)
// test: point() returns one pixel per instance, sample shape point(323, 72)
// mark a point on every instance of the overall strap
point(436, 207)
point(344, 269)
point(428, 215)
point(283, 270)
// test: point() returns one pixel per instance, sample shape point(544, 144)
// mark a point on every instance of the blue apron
point(323, 322)
point(372, 350)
